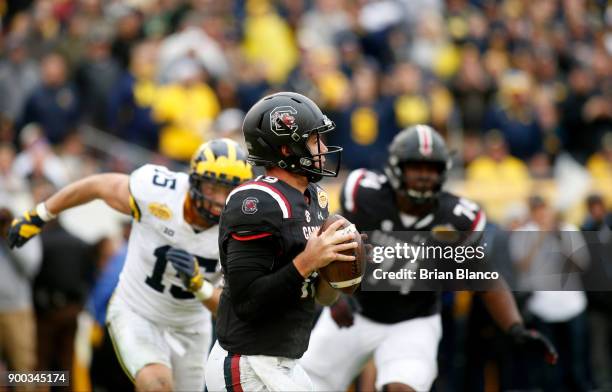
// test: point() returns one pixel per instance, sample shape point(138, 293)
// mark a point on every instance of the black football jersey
point(369, 201)
point(269, 205)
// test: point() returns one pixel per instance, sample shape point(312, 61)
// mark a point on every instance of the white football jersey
point(148, 283)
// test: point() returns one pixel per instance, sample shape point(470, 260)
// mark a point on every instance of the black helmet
point(219, 161)
point(288, 118)
point(417, 144)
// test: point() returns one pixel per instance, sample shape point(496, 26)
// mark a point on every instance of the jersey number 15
point(155, 280)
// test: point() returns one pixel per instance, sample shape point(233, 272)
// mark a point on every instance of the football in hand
point(345, 275)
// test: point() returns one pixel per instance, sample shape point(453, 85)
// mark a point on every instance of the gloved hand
point(188, 269)
point(534, 341)
point(343, 311)
point(24, 228)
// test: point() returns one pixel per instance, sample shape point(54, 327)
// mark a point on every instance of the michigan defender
point(270, 249)
point(156, 320)
point(401, 329)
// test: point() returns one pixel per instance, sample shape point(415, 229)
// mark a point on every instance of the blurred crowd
point(522, 91)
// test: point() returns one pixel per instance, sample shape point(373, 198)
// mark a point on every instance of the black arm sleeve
point(254, 288)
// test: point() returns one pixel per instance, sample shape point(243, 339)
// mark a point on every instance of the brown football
point(345, 275)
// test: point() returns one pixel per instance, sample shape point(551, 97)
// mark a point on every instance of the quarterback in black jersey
point(270, 248)
point(401, 329)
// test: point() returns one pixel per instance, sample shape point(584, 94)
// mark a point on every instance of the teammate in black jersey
point(401, 329)
point(270, 249)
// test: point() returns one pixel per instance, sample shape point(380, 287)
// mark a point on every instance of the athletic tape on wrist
point(205, 292)
point(43, 213)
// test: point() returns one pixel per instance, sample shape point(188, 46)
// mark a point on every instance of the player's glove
point(533, 340)
point(189, 271)
point(28, 225)
point(343, 311)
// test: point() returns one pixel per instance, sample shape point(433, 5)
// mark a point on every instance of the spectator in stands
point(131, 98)
point(321, 25)
point(17, 325)
point(279, 55)
point(191, 40)
point(599, 218)
point(333, 87)
point(252, 85)
point(366, 127)
point(550, 126)
point(600, 163)
point(73, 44)
point(582, 110)
point(302, 78)
point(431, 48)
point(514, 117)
point(497, 166)
point(128, 27)
point(419, 99)
point(95, 76)
point(544, 252)
point(473, 90)
point(18, 77)
point(37, 160)
point(411, 105)
point(54, 103)
point(186, 109)
point(60, 290)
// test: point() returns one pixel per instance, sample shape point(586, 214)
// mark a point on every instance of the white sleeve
point(149, 183)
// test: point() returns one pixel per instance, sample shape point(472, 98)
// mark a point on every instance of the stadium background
point(522, 90)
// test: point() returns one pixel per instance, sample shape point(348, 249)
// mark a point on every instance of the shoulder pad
point(464, 214)
point(362, 187)
point(149, 183)
point(255, 207)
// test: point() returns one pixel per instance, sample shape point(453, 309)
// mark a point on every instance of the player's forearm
point(502, 307)
point(110, 187)
point(255, 290)
point(265, 293)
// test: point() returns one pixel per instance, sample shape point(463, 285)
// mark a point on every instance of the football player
point(401, 329)
point(270, 248)
point(160, 330)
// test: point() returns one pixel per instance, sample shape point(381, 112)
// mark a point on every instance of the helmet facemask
point(422, 188)
point(311, 163)
point(203, 204)
point(418, 188)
